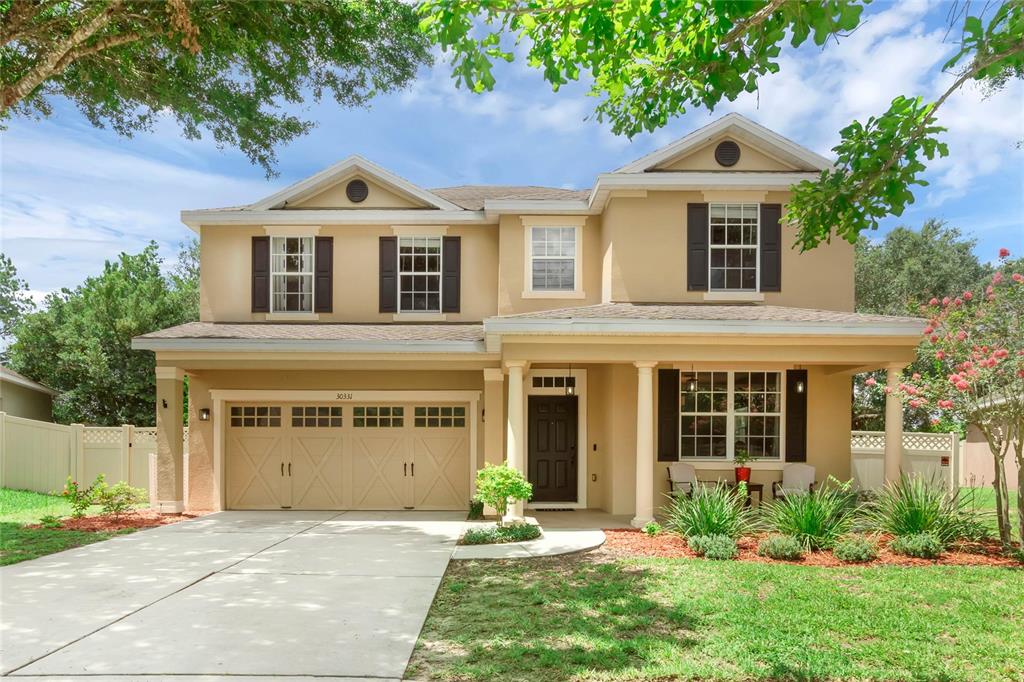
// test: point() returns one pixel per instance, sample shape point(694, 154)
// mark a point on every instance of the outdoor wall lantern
point(204, 414)
point(799, 387)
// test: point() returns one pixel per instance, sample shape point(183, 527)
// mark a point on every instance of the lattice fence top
point(102, 435)
point(875, 440)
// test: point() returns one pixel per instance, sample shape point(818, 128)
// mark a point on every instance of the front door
point(551, 459)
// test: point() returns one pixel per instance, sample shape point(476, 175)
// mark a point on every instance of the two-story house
point(365, 343)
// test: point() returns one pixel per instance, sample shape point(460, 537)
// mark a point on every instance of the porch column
point(494, 415)
point(170, 488)
point(644, 444)
point(515, 444)
point(893, 424)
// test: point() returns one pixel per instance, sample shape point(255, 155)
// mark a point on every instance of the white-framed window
point(291, 274)
point(721, 413)
point(553, 258)
point(733, 231)
point(419, 274)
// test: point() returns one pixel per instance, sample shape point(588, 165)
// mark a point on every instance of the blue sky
point(74, 196)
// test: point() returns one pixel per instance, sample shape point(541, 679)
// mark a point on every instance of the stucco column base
point(170, 464)
point(169, 507)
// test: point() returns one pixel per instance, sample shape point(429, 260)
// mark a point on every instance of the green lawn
point(984, 499)
point(596, 618)
point(19, 508)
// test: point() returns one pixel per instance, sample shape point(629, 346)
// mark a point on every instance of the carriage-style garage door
point(350, 456)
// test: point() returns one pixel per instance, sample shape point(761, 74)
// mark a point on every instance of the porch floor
point(579, 519)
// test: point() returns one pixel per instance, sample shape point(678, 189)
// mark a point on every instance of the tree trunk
point(998, 444)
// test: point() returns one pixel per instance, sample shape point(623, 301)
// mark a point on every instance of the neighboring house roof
point(340, 337)
point(739, 127)
point(703, 318)
point(472, 197)
point(21, 380)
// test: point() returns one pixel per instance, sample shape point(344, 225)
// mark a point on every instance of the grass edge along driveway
point(22, 508)
point(594, 617)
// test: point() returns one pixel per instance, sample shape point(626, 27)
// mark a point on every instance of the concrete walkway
point(234, 594)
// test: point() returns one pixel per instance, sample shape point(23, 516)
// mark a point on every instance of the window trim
point(744, 294)
point(576, 223)
point(420, 315)
point(275, 314)
point(730, 422)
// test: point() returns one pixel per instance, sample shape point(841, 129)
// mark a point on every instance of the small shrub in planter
point(652, 528)
point(513, 532)
point(476, 510)
point(781, 547)
point(497, 484)
point(119, 498)
point(711, 510)
point(718, 547)
point(920, 545)
point(855, 549)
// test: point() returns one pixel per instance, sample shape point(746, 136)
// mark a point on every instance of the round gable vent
point(357, 191)
point(727, 153)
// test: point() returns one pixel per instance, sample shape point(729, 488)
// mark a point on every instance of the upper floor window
point(733, 246)
point(553, 258)
point(291, 273)
point(419, 274)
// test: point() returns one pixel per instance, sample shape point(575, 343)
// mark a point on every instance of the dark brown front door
point(552, 453)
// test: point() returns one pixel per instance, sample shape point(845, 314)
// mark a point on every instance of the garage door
point(351, 456)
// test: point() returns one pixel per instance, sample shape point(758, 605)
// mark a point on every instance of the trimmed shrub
point(921, 545)
point(492, 535)
point(717, 547)
point(781, 547)
point(120, 498)
point(913, 505)
point(855, 549)
point(652, 528)
point(496, 484)
point(711, 510)
point(816, 519)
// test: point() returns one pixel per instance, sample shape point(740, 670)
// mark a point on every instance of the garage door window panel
point(256, 415)
point(439, 416)
point(384, 416)
point(309, 416)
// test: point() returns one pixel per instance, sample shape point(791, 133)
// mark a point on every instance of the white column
point(893, 425)
point(644, 444)
point(515, 444)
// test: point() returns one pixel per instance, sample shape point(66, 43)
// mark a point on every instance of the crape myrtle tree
point(225, 68)
point(976, 340)
point(651, 60)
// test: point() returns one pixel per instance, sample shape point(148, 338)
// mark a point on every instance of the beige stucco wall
point(512, 267)
point(643, 249)
point(226, 264)
point(334, 197)
point(20, 401)
point(703, 159)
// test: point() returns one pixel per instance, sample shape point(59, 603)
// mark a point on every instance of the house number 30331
point(344, 396)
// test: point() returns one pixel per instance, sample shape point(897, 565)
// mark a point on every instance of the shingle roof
point(472, 197)
point(8, 374)
point(322, 332)
point(710, 312)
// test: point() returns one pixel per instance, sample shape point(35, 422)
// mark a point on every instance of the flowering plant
point(976, 340)
point(81, 498)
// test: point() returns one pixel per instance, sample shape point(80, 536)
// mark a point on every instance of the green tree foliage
point(896, 276)
point(222, 67)
point(650, 60)
point(80, 342)
point(497, 484)
point(14, 300)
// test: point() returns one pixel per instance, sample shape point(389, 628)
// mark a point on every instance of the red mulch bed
point(633, 543)
point(140, 518)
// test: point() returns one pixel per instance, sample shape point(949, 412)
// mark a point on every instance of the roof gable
point(766, 150)
point(326, 190)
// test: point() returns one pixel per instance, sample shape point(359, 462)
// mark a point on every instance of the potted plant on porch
point(741, 458)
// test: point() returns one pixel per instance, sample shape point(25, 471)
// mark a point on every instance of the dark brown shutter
point(697, 247)
point(261, 274)
point(796, 416)
point(323, 279)
point(771, 247)
point(668, 415)
point(451, 278)
point(389, 274)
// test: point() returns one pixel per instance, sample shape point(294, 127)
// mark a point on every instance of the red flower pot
point(743, 474)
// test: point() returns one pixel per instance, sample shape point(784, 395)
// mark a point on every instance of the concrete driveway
point(325, 594)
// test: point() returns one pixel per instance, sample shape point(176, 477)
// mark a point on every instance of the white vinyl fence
point(935, 456)
point(40, 456)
